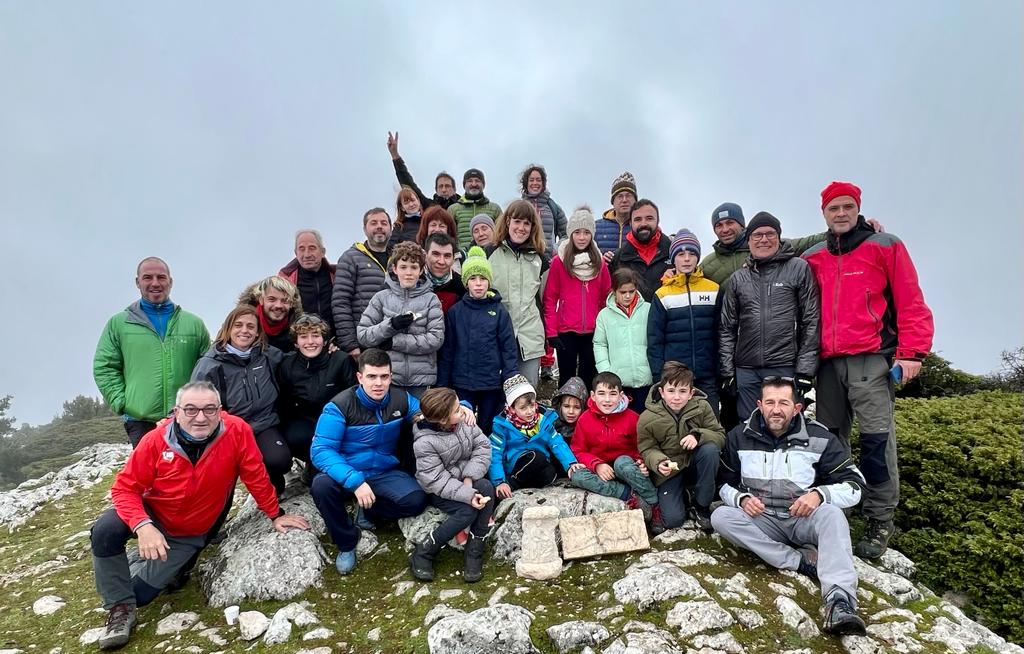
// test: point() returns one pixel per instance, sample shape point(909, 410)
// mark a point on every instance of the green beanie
point(476, 264)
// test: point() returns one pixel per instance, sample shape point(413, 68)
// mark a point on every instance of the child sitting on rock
point(524, 441)
point(568, 401)
point(605, 442)
point(451, 465)
point(680, 440)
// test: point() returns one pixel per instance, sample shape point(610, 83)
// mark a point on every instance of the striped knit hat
point(683, 240)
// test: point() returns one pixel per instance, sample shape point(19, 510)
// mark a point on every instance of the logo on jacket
point(168, 455)
point(492, 313)
point(396, 414)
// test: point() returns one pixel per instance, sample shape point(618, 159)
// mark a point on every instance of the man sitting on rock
point(171, 495)
point(786, 482)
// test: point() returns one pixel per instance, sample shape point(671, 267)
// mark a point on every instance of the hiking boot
point(808, 569)
point(841, 619)
point(308, 472)
point(473, 568)
point(346, 562)
point(634, 501)
point(657, 525)
point(875, 540)
point(120, 622)
point(421, 561)
point(702, 516)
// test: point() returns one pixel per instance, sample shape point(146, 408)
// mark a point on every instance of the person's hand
point(643, 468)
point(805, 504)
point(355, 352)
point(283, 523)
point(910, 367)
point(503, 490)
point(574, 467)
point(479, 501)
point(468, 417)
point(803, 384)
point(875, 225)
point(467, 481)
point(555, 342)
point(393, 145)
point(605, 471)
point(664, 469)
point(608, 256)
point(401, 322)
point(332, 348)
point(365, 496)
point(752, 506)
point(688, 442)
point(152, 544)
point(727, 385)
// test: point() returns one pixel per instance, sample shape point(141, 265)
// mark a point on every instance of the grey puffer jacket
point(248, 387)
point(359, 276)
point(445, 458)
point(414, 350)
point(771, 316)
point(552, 217)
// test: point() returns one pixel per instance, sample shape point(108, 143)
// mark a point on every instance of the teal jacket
point(620, 342)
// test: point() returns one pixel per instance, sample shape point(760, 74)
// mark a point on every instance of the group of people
point(406, 376)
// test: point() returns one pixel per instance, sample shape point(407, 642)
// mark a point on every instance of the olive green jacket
point(660, 431)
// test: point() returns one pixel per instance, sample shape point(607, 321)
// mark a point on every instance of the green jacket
point(722, 263)
point(659, 431)
point(137, 373)
point(620, 342)
point(463, 211)
point(519, 278)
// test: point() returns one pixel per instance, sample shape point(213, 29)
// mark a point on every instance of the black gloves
point(727, 385)
point(401, 322)
point(555, 342)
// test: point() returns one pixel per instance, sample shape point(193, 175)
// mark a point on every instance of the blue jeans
point(628, 479)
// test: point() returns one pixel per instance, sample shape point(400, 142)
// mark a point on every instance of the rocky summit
point(684, 592)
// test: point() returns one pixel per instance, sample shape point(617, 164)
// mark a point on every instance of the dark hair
point(644, 202)
point(608, 379)
point(308, 322)
point(675, 373)
point(521, 210)
point(224, 333)
point(366, 216)
point(623, 276)
point(443, 174)
point(434, 212)
point(782, 382)
point(439, 238)
point(526, 176)
point(374, 357)
point(436, 404)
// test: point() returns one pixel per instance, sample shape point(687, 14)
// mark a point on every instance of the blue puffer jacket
point(610, 234)
point(356, 436)
point(479, 350)
point(508, 443)
point(683, 325)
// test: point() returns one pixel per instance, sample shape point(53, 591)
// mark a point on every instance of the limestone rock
point(656, 583)
point(694, 617)
point(252, 624)
point(539, 558)
point(213, 635)
point(418, 528)
point(737, 589)
point(91, 636)
point(895, 586)
point(796, 618)
point(420, 594)
point(862, 645)
point(449, 593)
point(573, 635)
point(176, 623)
point(782, 589)
point(47, 604)
point(297, 614)
point(685, 533)
point(499, 629)
point(373, 635)
point(721, 642)
point(367, 543)
point(684, 558)
point(279, 630)
point(315, 650)
point(320, 633)
point(438, 612)
point(896, 635)
point(965, 634)
point(644, 642)
point(896, 563)
point(256, 563)
point(748, 618)
point(603, 533)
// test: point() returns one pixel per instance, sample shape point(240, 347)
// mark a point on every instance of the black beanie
point(763, 219)
point(473, 172)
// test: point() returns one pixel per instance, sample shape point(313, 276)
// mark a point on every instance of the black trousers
point(532, 470)
point(576, 357)
point(136, 429)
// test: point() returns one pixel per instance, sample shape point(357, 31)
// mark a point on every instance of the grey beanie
point(575, 387)
point(481, 218)
point(582, 218)
point(728, 210)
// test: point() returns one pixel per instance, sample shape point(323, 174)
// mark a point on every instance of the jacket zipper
point(693, 329)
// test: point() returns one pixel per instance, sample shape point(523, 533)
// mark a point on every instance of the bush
point(962, 486)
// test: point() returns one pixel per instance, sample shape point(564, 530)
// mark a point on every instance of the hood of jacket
point(655, 404)
point(611, 304)
point(843, 243)
point(621, 408)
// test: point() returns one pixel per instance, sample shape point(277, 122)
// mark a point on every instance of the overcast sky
point(206, 133)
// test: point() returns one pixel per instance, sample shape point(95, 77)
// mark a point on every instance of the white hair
point(196, 386)
point(316, 235)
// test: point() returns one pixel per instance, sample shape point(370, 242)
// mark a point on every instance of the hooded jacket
point(620, 342)
point(306, 385)
point(659, 432)
point(360, 275)
point(552, 218)
point(871, 300)
point(603, 437)
point(445, 458)
point(779, 470)
point(770, 316)
point(683, 325)
point(248, 387)
point(137, 372)
point(726, 259)
point(508, 444)
point(610, 234)
point(413, 350)
point(650, 273)
point(479, 350)
point(463, 211)
point(572, 305)
point(519, 276)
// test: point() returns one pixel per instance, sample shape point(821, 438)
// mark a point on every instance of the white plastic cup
point(231, 615)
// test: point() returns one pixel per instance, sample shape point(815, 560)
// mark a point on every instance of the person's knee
point(323, 487)
point(829, 513)
point(623, 464)
point(708, 452)
point(108, 535)
point(484, 487)
point(725, 516)
point(414, 503)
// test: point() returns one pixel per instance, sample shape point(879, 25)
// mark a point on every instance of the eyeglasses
point(764, 236)
point(210, 410)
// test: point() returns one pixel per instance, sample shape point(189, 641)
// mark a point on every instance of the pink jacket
point(571, 305)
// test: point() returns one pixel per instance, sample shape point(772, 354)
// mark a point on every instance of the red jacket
point(604, 437)
point(571, 305)
point(160, 483)
point(871, 300)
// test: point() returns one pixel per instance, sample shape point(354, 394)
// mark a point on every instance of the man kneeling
point(786, 482)
point(172, 495)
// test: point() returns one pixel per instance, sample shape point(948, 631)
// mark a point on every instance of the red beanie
point(839, 189)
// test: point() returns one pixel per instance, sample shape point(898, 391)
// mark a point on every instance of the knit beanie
point(624, 182)
point(582, 218)
point(515, 387)
point(481, 218)
point(473, 172)
point(683, 240)
point(573, 387)
point(764, 219)
point(476, 263)
point(839, 189)
point(728, 210)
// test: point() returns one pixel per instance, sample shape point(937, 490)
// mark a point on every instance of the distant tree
point(6, 421)
point(1012, 374)
point(82, 408)
point(10, 454)
point(939, 378)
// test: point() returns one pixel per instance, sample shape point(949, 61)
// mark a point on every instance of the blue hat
point(683, 240)
point(728, 210)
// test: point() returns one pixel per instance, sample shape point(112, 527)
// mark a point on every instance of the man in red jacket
point(170, 495)
point(872, 312)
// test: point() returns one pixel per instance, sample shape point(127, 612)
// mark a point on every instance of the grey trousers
point(627, 478)
point(773, 539)
point(748, 387)
point(859, 385)
point(530, 368)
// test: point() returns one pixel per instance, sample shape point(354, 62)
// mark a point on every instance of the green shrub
point(962, 486)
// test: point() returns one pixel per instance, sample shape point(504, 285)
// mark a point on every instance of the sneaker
point(120, 622)
point(362, 521)
point(657, 525)
point(547, 373)
point(702, 516)
point(841, 619)
point(875, 540)
point(346, 562)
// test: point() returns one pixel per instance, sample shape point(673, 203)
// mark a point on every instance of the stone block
point(603, 533)
point(539, 558)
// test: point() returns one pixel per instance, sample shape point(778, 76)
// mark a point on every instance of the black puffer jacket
point(306, 385)
point(360, 275)
point(248, 387)
point(770, 316)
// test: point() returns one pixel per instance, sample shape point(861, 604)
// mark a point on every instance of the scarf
point(647, 251)
point(528, 427)
point(439, 281)
point(242, 354)
point(271, 329)
point(581, 267)
point(628, 310)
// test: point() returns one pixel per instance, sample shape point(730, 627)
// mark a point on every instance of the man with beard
point(277, 305)
point(361, 273)
point(444, 184)
point(446, 282)
point(646, 248)
point(472, 203)
point(311, 273)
